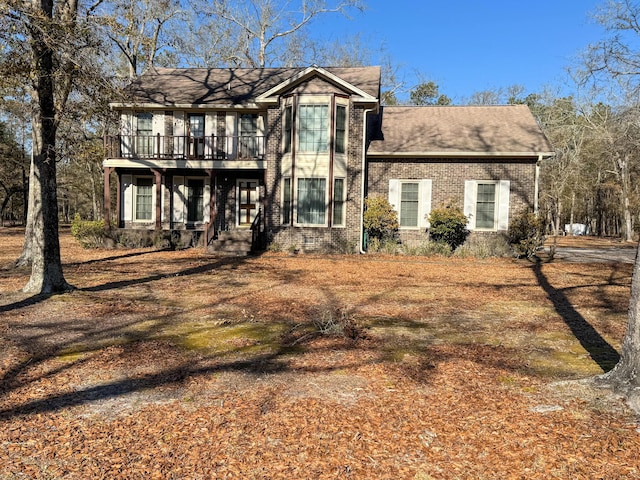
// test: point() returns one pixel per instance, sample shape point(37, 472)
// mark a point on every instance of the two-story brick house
point(292, 153)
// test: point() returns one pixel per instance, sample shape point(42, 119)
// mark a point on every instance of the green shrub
point(380, 219)
point(448, 225)
point(89, 233)
point(526, 234)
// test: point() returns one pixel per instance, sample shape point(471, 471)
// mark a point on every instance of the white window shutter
point(470, 196)
point(230, 131)
point(425, 203)
point(127, 198)
point(178, 133)
point(209, 131)
point(394, 193)
point(154, 188)
point(503, 205)
point(206, 199)
point(126, 130)
point(178, 199)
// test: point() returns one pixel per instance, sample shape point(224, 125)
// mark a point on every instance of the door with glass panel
point(247, 202)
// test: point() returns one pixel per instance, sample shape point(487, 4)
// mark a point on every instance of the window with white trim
point(144, 133)
point(486, 204)
point(338, 202)
point(341, 129)
point(411, 198)
point(286, 201)
point(311, 201)
point(144, 198)
point(313, 135)
point(195, 200)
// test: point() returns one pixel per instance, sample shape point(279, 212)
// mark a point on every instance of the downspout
point(366, 111)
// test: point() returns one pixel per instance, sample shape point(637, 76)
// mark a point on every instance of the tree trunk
point(46, 266)
point(26, 256)
point(625, 376)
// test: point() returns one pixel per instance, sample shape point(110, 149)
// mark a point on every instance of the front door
point(247, 202)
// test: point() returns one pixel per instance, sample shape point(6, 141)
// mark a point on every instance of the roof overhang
point(184, 106)
point(271, 96)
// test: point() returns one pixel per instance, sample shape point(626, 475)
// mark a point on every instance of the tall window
point(341, 129)
point(248, 135)
point(314, 128)
point(196, 134)
point(486, 205)
point(311, 201)
point(195, 200)
point(409, 204)
point(338, 201)
point(144, 199)
point(288, 128)
point(286, 201)
point(144, 133)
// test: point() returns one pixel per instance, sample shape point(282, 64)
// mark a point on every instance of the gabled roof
point(238, 86)
point(446, 131)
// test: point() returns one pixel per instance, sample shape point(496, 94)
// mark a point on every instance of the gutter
point(364, 162)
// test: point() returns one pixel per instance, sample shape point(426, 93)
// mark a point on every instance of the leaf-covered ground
point(187, 365)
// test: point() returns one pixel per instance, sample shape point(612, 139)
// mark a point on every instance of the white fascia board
point(185, 164)
point(185, 106)
point(271, 95)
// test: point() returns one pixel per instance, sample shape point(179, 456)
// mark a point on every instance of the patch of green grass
point(249, 338)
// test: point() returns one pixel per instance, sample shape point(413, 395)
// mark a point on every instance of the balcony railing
point(172, 147)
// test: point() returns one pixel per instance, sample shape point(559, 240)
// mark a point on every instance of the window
point(409, 204)
point(412, 200)
point(341, 129)
point(311, 201)
point(248, 135)
point(144, 199)
point(486, 206)
point(196, 134)
point(286, 201)
point(144, 133)
point(195, 200)
point(338, 201)
point(314, 128)
point(288, 125)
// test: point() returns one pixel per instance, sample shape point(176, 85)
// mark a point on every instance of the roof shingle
point(453, 130)
point(231, 86)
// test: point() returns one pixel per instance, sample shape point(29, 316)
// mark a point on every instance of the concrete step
point(232, 242)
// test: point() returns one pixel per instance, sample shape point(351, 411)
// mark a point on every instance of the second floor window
point(248, 135)
point(313, 133)
point(341, 129)
point(144, 133)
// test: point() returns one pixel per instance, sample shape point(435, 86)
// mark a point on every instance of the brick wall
point(449, 175)
point(346, 238)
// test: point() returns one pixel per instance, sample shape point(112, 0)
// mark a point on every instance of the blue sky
point(466, 46)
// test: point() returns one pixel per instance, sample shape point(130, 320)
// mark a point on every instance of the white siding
point(126, 192)
point(503, 205)
point(179, 201)
point(470, 195)
point(425, 203)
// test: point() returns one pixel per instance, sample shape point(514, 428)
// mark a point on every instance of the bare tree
point(261, 32)
point(138, 29)
point(617, 57)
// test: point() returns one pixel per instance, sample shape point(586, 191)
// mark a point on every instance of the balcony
point(205, 151)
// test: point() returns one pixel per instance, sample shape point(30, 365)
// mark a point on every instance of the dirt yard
point(167, 364)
